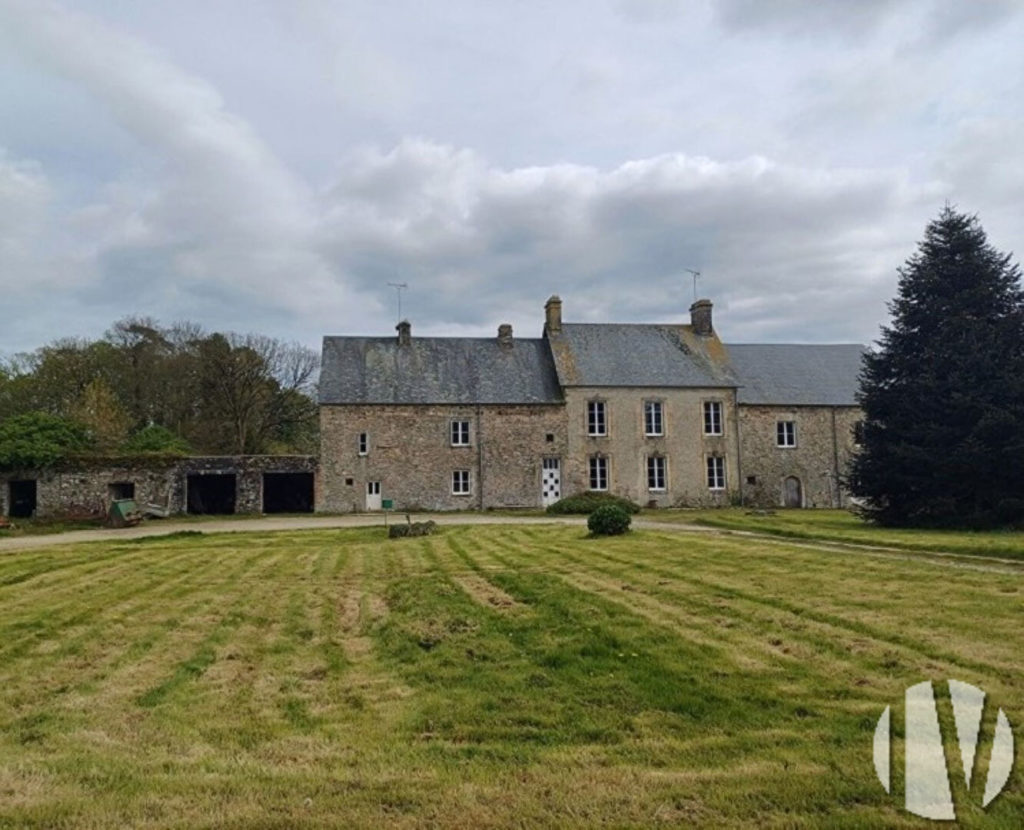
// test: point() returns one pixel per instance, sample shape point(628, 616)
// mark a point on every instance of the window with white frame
point(654, 422)
point(785, 433)
point(460, 433)
point(712, 417)
point(598, 472)
point(364, 443)
point(460, 483)
point(597, 418)
point(655, 472)
point(716, 472)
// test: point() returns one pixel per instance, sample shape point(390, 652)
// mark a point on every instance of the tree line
point(145, 387)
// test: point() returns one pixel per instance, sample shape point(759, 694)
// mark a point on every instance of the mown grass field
point(489, 676)
point(844, 526)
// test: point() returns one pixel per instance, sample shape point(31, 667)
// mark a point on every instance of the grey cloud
point(617, 243)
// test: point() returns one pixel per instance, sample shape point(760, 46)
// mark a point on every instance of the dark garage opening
point(121, 490)
point(22, 499)
point(287, 492)
point(211, 494)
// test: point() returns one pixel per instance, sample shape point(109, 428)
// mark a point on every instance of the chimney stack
point(505, 335)
point(404, 330)
point(700, 318)
point(553, 315)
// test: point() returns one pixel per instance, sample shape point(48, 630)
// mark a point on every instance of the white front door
point(550, 482)
point(373, 495)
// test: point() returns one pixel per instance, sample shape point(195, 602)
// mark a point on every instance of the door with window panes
point(373, 495)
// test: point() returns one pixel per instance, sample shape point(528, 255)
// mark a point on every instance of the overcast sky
point(270, 165)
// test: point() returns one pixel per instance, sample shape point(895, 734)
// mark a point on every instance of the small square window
point(550, 438)
point(364, 443)
point(712, 417)
point(598, 472)
point(656, 472)
point(349, 482)
point(716, 472)
point(785, 434)
point(460, 433)
point(751, 479)
point(654, 422)
point(597, 420)
point(460, 483)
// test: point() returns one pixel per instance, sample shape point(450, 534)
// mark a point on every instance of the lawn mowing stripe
point(231, 613)
point(52, 625)
point(757, 619)
point(806, 612)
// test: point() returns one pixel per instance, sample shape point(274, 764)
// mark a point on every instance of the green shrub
point(609, 520)
point(36, 439)
point(156, 439)
point(585, 503)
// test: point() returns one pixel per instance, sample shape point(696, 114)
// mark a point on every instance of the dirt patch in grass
point(488, 595)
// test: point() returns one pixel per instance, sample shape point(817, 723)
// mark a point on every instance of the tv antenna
point(696, 276)
point(399, 288)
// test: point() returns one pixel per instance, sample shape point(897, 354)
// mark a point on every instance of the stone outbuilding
point(195, 485)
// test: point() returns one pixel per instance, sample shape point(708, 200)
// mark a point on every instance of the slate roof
point(797, 375)
point(442, 370)
point(623, 354)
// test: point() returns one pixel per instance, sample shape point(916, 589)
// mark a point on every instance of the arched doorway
point(792, 492)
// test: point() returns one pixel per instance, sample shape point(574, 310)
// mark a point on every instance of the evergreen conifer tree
point(943, 396)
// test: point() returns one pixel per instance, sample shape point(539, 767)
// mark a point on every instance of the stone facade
point(815, 464)
point(409, 452)
point(387, 407)
point(88, 486)
point(683, 445)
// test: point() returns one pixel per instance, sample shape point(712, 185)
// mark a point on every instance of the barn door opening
point(287, 492)
point(792, 492)
point(211, 494)
point(22, 501)
point(373, 495)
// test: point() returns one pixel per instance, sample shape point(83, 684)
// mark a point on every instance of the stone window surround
point(785, 434)
point(715, 466)
point(653, 468)
point(597, 418)
point(462, 483)
point(597, 473)
point(654, 411)
point(458, 432)
point(713, 411)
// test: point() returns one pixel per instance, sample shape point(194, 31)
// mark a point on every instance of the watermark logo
point(927, 791)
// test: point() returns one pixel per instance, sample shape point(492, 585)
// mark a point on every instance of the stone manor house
point(664, 414)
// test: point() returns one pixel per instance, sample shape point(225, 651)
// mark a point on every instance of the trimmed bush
point(609, 520)
point(586, 503)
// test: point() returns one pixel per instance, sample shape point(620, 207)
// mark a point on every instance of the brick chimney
point(505, 335)
point(404, 330)
point(700, 318)
point(553, 315)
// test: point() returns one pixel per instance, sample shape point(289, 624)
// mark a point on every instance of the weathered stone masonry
point(87, 486)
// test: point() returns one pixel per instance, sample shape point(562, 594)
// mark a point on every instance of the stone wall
point(824, 446)
point(684, 445)
point(86, 487)
point(410, 453)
